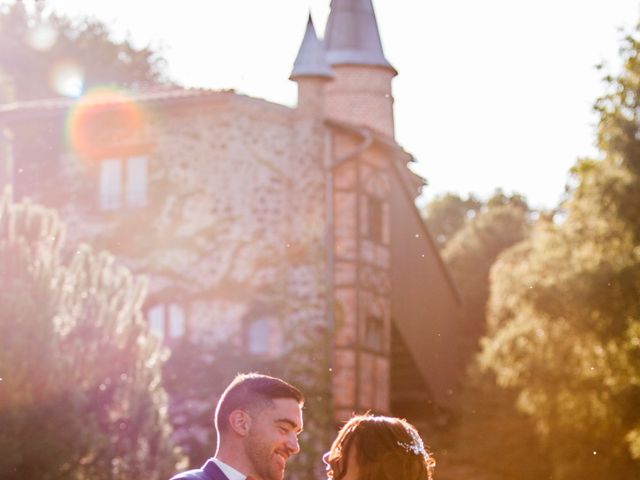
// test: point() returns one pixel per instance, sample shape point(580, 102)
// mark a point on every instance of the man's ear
point(240, 422)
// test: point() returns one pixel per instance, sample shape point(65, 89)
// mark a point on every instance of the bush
point(80, 385)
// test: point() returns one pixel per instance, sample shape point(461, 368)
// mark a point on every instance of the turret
point(311, 72)
point(361, 91)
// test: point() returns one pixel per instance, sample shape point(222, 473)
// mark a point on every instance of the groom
point(258, 420)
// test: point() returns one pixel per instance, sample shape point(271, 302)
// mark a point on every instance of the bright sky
point(492, 93)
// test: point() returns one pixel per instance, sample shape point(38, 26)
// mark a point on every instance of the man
point(258, 420)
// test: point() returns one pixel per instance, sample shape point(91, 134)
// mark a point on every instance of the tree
point(565, 312)
point(497, 224)
point(500, 223)
point(80, 388)
point(491, 438)
point(47, 55)
point(471, 234)
point(447, 214)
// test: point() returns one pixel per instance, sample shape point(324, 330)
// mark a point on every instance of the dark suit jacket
point(209, 471)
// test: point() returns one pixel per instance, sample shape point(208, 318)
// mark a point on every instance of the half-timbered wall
point(362, 282)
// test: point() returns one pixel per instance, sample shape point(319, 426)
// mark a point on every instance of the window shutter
point(137, 181)
point(156, 320)
point(177, 324)
point(110, 184)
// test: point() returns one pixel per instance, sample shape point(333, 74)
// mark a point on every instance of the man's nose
point(292, 444)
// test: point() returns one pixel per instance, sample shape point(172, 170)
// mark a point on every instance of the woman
point(378, 448)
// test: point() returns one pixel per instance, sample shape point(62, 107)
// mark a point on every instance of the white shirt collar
point(230, 472)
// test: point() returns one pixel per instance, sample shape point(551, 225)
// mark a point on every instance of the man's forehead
point(286, 409)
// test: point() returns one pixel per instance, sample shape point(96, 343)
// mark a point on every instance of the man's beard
point(261, 457)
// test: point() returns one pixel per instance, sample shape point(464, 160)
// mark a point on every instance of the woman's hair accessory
point(416, 446)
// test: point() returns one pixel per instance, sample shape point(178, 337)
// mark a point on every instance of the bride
point(378, 448)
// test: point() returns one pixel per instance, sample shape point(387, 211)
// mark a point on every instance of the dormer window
point(258, 335)
point(123, 182)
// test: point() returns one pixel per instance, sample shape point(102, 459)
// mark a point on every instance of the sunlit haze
point(489, 94)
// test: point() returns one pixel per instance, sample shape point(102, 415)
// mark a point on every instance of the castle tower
point(361, 91)
point(311, 72)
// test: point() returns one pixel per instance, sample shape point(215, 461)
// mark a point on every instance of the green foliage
point(35, 47)
point(503, 222)
point(565, 310)
point(448, 213)
point(490, 437)
point(472, 233)
point(80, 388)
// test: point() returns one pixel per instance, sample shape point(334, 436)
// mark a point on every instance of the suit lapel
point(213, 472)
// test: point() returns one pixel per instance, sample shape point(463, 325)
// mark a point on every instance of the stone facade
point(258, 225)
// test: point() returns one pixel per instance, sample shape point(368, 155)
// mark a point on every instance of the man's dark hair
point(250, 390)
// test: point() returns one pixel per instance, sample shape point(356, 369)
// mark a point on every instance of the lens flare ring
point(102, 121)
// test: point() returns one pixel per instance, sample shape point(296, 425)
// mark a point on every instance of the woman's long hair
point(387, 448)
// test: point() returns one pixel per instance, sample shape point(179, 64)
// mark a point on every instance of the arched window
point(155, 316)
point(177, 322)
point(374, 333)
point(259, 333)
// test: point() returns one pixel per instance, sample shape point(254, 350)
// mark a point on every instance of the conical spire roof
point(311, 60)
point(352, 35)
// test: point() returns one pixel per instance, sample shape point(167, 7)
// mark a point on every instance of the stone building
point(258, 224)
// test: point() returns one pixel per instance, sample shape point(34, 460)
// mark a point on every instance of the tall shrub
point(80, 388)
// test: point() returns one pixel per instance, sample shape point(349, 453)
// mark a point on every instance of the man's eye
point(284, 429)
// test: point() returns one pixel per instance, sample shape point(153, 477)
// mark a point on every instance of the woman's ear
point(240, 422)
